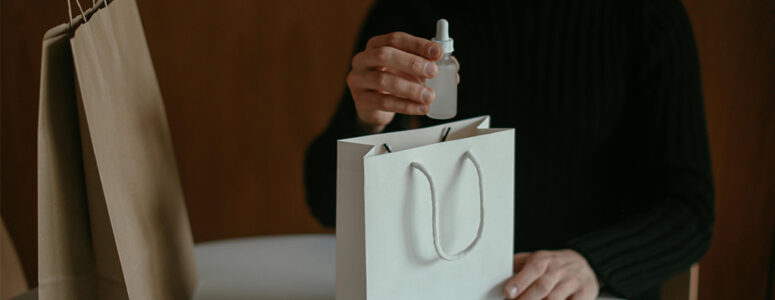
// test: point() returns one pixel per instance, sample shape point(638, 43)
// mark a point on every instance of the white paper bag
point(429, 220)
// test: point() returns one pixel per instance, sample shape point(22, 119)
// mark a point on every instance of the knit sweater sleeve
point(320, 160)
point(673, 230)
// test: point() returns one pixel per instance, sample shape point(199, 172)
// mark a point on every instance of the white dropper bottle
point(444, 106)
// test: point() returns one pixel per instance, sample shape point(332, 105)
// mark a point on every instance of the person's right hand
point(388, 77)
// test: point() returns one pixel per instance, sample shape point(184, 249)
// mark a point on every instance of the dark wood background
point(248, 84)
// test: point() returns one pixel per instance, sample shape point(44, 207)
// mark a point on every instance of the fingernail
point(434, 52)
point(512, 292)
point(426, 95)
point(430, 69)
point(424, 109)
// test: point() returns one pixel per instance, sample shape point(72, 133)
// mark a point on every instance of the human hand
point(553, 275)
point(389, 77)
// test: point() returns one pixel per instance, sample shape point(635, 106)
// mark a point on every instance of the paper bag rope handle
point(70, 11)
point(435, 210)
point(83, 15)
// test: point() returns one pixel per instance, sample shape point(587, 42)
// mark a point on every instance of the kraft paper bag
point(12, 280)
point(429, 220)
point(112, 217)
point(65, 253)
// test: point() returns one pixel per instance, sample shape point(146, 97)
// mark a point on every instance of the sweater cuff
point(637, 256)
point(590, 249)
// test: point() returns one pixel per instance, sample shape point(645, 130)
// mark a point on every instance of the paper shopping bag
point(418, 218)
point(12, 280)
point(65, 255)
point(112, 218)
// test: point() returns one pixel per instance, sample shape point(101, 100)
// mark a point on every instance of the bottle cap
point(442, 36)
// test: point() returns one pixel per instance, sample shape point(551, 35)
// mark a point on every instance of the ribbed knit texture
point(611, 144)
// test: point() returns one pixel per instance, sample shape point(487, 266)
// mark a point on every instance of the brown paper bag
point(112, 217)
point(12, 280)
point(65, 255)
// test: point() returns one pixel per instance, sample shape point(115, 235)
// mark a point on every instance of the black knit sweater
point(611, 154)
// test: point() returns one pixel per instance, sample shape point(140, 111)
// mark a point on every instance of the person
point(613, 186)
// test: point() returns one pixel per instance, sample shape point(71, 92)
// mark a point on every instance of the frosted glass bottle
point(444, 106)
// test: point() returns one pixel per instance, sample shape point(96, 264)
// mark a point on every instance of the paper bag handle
point(435, 210)
point(80, 8)
point(70, 12)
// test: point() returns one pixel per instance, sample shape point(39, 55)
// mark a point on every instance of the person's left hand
point(563, 274)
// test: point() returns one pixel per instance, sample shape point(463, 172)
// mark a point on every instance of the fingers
point(535, 266)
point(563, 274)
point(412, 78)
point(379, 101)
point(458, 68)
point(563, 290)
point(585, 294)
point(389, 76)
point(519, 261)
point(394, 59)
point(456, 62)
point(541, 287)
point(392, 84)
point(408, 43)
point(402, 74)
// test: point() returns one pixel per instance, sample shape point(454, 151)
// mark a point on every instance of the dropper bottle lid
point(442, 36)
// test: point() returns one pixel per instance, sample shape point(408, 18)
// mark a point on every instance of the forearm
point(640, 253)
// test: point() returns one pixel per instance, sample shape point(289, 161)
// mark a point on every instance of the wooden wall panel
point(736, 41)
point(247, 84)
